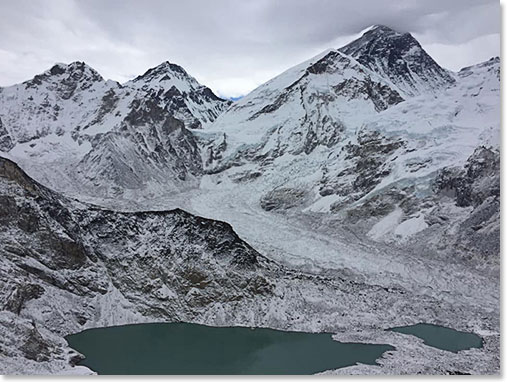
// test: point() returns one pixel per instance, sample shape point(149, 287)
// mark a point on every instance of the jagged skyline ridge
point(375, 33)
point(243, 44)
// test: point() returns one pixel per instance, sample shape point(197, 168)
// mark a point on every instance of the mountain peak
point(399, 58)
point(180, 93)
point(381, 36)
point(162, 71)
point(493, 61)
point(76, 68)
point(380, 29)
point(75, 72)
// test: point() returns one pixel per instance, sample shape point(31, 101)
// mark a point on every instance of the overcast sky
point(231, 46)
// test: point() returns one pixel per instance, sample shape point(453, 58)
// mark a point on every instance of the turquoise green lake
point(441, 337)
point(181, 348)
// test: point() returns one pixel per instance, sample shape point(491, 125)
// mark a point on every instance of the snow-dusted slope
point(70, 128)
point(66, 266)
point(428, 133)
point(314, 103)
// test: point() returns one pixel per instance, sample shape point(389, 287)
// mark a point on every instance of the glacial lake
point(181, 348)
point(441, 337)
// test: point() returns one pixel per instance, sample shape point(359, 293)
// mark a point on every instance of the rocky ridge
point(66, 266)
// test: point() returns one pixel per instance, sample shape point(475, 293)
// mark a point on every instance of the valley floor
point(432, 288)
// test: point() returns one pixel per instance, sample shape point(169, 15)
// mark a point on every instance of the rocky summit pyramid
point(399, 58)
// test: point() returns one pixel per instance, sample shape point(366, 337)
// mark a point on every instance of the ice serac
point(400, 58)
point(70, 128)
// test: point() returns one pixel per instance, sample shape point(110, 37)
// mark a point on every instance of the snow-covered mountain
point(75, 130)
point(309, 105)
point(378, 119)
point(184, 98)
point(332, 136)
point(365, 179)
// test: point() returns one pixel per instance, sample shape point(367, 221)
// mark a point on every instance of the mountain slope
point(63, 260)
point(185, 99)
point(315, 103)
point(434, 132)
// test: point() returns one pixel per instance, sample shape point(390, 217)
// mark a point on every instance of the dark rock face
point(476, 185)
point(382, 96)
point(272, 107)
point(198, 260)
point(5, 140)
point(370, 152)
point(179, 103)
point(179, 252)
point(282, 199)
point(190, 232)
point(215, 151)
point(366, 164)
point(151, 145)
point(35, 224)
point(21, 294)
point(481, 230)
point(399, 57)
point(384, 203)
point(35, 346)
point(473, 184)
